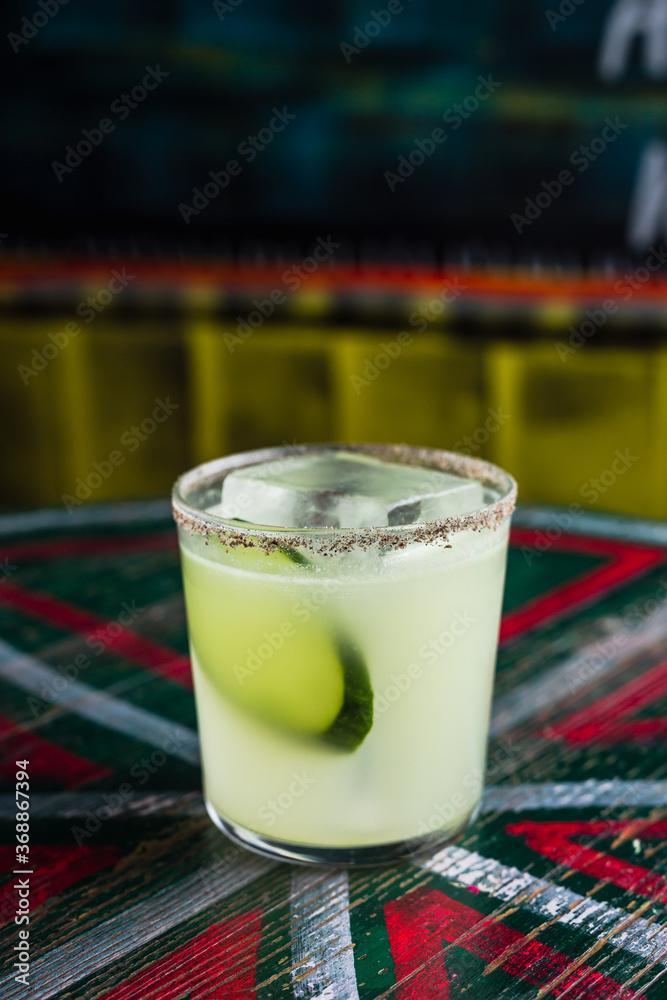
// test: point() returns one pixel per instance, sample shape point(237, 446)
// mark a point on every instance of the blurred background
point(238, 223)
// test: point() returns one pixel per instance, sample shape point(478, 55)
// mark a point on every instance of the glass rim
point(269, 537)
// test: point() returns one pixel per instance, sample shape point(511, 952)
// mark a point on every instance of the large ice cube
point(343, 490)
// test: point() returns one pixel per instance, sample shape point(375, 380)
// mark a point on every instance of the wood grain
point(559, 888)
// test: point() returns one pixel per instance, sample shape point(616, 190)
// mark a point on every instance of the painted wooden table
point(559, 889)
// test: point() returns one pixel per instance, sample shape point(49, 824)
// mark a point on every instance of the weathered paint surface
point(559, 889)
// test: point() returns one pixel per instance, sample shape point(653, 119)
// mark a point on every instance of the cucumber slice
point(355, 719)
point(298, 557)
point(295, 673)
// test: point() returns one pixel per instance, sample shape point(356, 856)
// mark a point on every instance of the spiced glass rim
point(210, 475)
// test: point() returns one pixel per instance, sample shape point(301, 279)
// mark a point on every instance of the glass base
point(307, 854)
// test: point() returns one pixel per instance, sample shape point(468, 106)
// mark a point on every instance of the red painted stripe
point(637, 731)
point(626, 561)
point(49, 762)
point(55, 869)
point(587, 290)
point(605, 721)
point(566, 597)
point(418, 924)
point(128, 644)
point(61, 548)
point(220, 963)
point(554, 841)
point(592, 545)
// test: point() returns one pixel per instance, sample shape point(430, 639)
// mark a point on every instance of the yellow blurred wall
point(126, 406)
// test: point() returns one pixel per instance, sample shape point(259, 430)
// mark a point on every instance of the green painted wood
point(136, 894)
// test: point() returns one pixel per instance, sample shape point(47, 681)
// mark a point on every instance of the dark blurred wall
point(517, 91)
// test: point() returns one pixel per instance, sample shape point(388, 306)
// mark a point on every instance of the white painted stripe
point(497, 798)
point(579, 671)
point(114, 938)
point(95, 515)
point(644, 938)
point(588, 522)
point(30, 674)
point(574, 795)
point(75, 805)
point(322, 942)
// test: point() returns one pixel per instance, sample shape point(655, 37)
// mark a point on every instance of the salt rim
point(329, 541)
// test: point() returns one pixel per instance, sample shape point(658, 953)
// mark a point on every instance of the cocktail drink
point(343, 606)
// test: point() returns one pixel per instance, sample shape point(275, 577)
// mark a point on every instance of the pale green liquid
point(420, 768)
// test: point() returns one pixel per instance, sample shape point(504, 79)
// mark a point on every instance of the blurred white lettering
point(627, 21)
point(647, 220)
